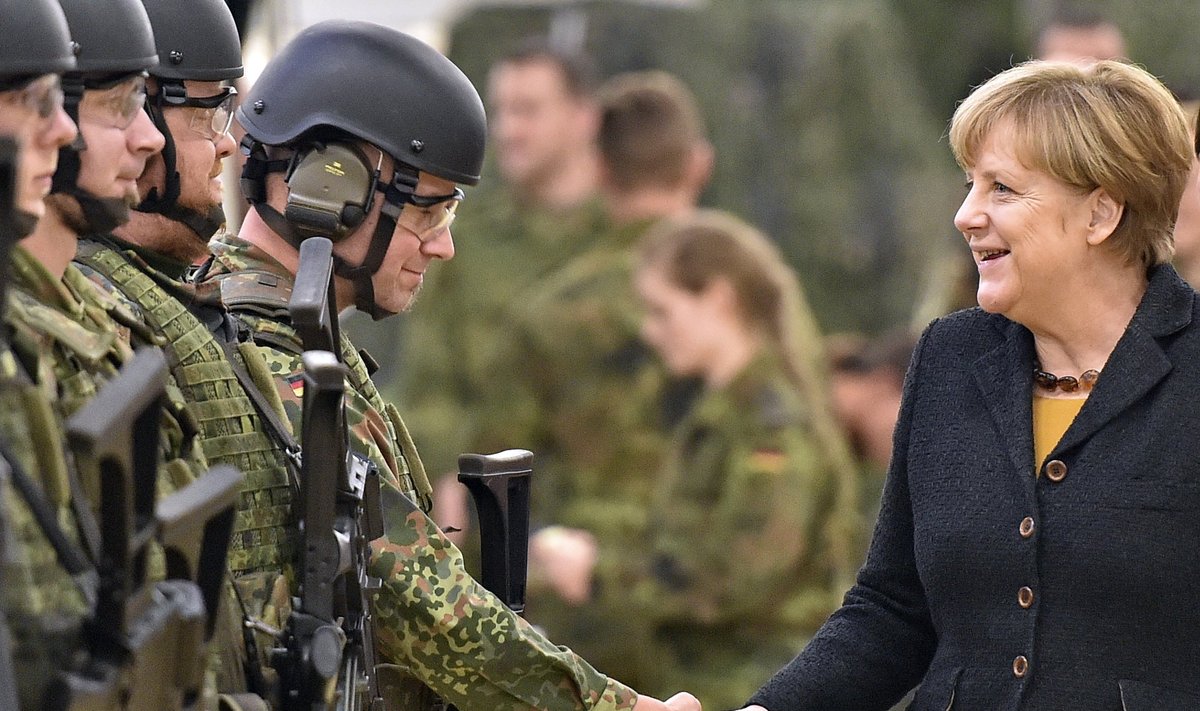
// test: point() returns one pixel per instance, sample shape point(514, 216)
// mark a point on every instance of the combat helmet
point(197, 41)
point(36, 41)
point(363, 81)
point(112, 41)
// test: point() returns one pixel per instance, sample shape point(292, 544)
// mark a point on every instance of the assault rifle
point(328, 659)
point(146, 642)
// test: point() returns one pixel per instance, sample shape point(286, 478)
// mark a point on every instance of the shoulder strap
point(255, 291)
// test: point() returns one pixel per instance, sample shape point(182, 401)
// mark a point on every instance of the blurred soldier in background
point(1077, 34)
point(537, 210)
point(746, 537)
point(867, 378)
point(577, 384)
point(390, 142)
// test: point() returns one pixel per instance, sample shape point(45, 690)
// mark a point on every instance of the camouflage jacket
point(738, 570)
point(63, 335)
point(44, 607)
point(66, 326)
point(431, 617)
point(574, 383)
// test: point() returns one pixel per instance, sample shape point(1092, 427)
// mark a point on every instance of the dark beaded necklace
point(1067, 383)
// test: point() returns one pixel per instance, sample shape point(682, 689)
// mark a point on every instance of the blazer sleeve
point(879, 643)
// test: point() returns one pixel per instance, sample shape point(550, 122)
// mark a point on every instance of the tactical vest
point(264, 536)
point(260, 300)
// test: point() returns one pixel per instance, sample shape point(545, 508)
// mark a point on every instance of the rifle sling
point(72, 559)
point(275, 427)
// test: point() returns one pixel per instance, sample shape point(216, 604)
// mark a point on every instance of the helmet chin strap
point(23, 222)
point(203, 224)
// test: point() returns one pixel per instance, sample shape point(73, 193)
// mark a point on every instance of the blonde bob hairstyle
point(1108, 125)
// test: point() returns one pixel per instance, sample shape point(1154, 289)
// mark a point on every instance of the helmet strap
point(404, 183)
point(23, 222)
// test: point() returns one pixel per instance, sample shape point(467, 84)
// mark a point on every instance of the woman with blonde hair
point(756, 506)
point(1037, 542)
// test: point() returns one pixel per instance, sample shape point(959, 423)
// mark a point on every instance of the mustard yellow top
point(1051, 418)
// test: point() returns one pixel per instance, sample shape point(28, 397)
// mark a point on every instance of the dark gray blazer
point(993, 588)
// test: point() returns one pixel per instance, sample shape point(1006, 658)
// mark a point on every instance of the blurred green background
point(829, 116)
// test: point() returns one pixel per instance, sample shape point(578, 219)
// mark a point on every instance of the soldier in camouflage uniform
point(539, 209)
point(142, 263)
point(43, 606)
point(389, 140)
point(747, 553)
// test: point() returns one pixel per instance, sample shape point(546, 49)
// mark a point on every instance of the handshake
point(683, 701)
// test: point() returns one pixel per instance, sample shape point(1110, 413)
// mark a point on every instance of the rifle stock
point(499, 486)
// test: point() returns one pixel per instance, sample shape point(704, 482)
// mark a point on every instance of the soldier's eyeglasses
point(428, 216)
point(43, 95)
point(214, 114)
point(116, 106)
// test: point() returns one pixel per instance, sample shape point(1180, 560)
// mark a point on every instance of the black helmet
point(36, 38)
point(110, 37)
point(196, 40)
point(377, 84)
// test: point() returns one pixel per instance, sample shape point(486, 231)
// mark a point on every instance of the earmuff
point(331, 188)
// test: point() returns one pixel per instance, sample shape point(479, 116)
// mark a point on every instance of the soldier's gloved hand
point(755, 707)
point(565, 558)
point(683, 701)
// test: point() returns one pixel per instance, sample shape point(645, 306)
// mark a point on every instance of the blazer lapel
point(1005, 376)
point(1138, 362)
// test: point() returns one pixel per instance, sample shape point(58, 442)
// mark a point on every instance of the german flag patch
point(296, 383)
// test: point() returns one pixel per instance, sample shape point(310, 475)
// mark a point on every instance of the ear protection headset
point(331, 187)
